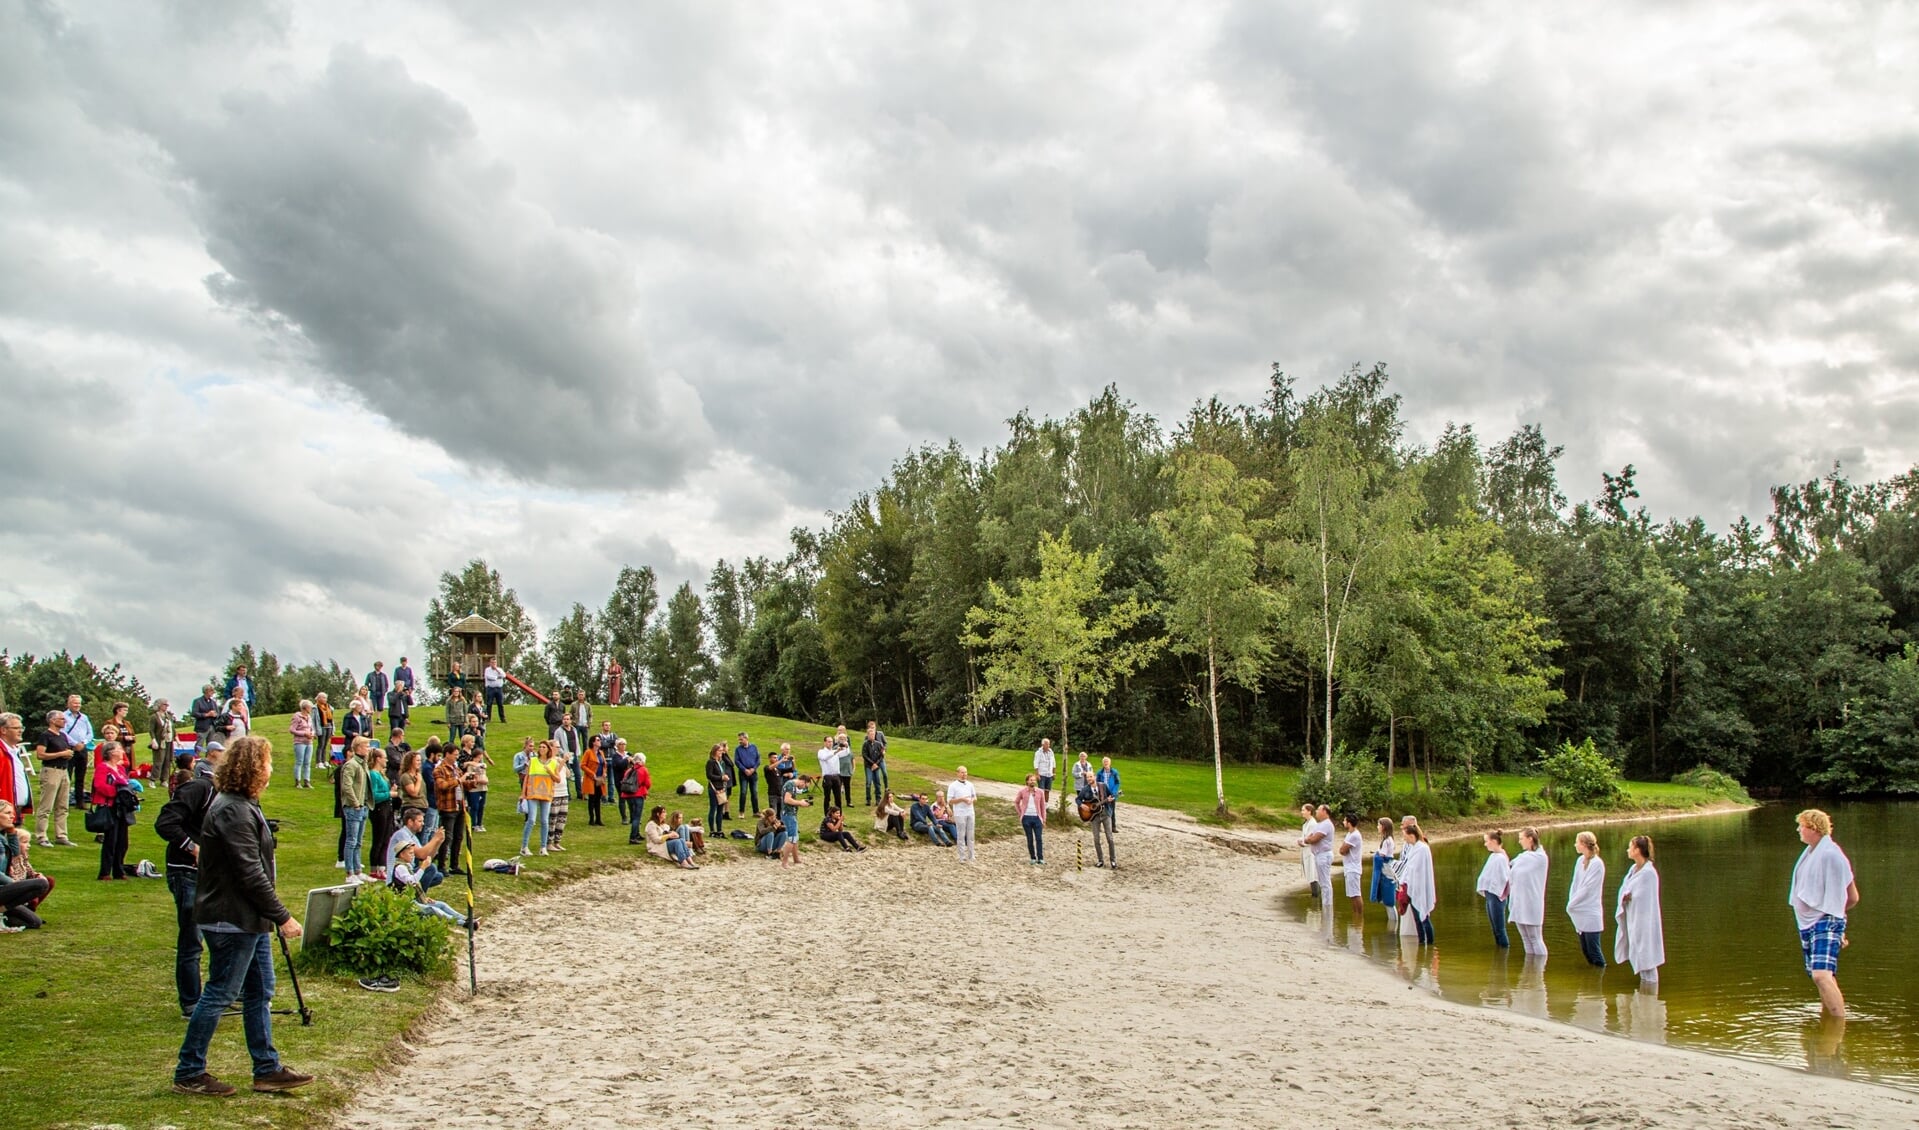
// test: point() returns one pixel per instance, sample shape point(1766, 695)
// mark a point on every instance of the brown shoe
point(281, 1080)
point(203, 1084)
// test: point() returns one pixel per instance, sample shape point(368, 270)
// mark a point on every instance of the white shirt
point(1355, 849)
point(829, 762)
point(494, 676)
point(1494, 877)
point(1327, 832)
point(961, 792)
point(1044, 761)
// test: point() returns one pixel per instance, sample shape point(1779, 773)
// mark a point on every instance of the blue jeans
point(635, 814)
point(239, 967)
point(748, 789)
point(187, 945)
point(536, 816)
point(431, 876)
point(302, 762)
point(1424, 926)
point(1496, 917)
point(355, 832)
point(875, 783)
point(476, 807)
point(1035, 830)
point(790, 817)
point(677, 850)
point(1589, 946)
point(432, 823)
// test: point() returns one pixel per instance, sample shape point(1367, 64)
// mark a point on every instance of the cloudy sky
point(301, 305)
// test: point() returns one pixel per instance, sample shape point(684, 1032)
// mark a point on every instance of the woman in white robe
point(1641, 937)
point(1527, 904)
point(1309, 870)
point(1586, 901)
point(1416, 879)
point(1495, 882)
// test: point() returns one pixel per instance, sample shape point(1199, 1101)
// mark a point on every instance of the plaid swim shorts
point(1820, 943)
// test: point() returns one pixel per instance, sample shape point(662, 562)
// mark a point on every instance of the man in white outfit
point(1044, 762)
point(960, 795)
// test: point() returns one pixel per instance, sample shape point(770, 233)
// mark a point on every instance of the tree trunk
point(1212, 704)
point(1065, 744)
point(1392, 748)
point(1329, 717)
point(1426, 742)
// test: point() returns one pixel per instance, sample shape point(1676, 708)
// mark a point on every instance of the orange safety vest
point(539, 780)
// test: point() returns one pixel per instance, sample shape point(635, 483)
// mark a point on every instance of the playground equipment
point(474, 639)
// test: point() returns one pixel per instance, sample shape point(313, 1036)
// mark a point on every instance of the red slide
point(536, 694)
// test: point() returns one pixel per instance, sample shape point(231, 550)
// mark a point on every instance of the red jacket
point(107, 780)
point(645, 783)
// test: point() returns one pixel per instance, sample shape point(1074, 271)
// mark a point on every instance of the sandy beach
point(902, 988)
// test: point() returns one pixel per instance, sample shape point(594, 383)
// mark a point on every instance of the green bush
point(1460, 788)
point(1580, 775)
point(1493, 802)
point(1713, 781)
point(1358, 785)
point(380, 934)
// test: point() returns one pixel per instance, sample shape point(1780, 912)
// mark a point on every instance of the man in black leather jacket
point(238, 911)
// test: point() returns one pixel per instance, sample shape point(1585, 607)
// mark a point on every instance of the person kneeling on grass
point(833, 831)
point(22, 889)
point(772, 841)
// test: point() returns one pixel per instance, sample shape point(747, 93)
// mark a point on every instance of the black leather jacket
point(236, 867)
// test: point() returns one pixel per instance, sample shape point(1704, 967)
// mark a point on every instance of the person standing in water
point(1586, 901)
point(1416, 879)
point(1823, 893)
point(1352, 855)
point(1641, 937)
point(1385, 861)
point(1527, 903)
point(1495, 881)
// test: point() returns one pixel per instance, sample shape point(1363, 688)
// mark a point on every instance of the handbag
point(1400, 901)
point(99, 819)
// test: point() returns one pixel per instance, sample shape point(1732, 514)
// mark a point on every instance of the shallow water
point(1734, 980)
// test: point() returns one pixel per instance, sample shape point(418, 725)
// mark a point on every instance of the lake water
point(1734, 981)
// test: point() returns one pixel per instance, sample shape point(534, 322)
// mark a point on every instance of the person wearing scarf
point(1528, 902)
point(1641, 938)
point(1823, 893)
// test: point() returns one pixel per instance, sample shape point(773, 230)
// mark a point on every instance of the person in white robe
point(1308, 869)
point(1823, 893)
point(1640, 940)
point(1495, 878)
point(1352, 863)
point(1586, 901)
point(1527, 904)
point(1416, 879)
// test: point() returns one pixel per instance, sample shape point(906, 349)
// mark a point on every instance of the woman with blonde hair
point(1586, 901)
point(301, 729)
point(1641, 937)
point(1417, 888)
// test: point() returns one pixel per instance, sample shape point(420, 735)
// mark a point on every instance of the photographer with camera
point(179, 825)
point(238, 912)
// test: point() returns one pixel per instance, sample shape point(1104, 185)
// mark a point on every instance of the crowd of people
point(1513, 890)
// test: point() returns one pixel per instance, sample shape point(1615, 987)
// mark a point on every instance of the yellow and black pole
point(466, 864)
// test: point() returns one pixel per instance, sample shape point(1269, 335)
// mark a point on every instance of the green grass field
point(89, 1005)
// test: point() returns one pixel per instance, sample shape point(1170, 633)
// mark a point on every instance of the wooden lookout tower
point(472, 641)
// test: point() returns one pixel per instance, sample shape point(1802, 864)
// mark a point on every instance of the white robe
point(1641, 938)
point(1416, 875)
point(1820, 881)
point(1586, 902)
point(1496, 876)
point(1527, 907)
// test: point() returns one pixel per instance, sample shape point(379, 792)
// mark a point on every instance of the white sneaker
point(542, 851)
point(355, 879)
point(339, 864)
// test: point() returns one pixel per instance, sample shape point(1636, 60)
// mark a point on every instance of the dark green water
point(1733, 982)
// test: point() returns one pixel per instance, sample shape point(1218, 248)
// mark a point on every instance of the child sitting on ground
point(406, 878)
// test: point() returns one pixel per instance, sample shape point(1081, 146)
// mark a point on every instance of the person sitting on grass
point(667, 842)
point(22, 889)
point(889, 817)
point(407, 873)
point(407, 836)
point(833, 831)
point(943, 818)
point(771, 840)
point(922, 820)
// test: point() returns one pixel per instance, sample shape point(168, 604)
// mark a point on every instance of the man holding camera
point(179, 825)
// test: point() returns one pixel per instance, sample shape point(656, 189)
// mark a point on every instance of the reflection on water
point(1733, 981)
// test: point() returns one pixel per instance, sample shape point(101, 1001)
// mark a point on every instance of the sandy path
point(901, 988)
